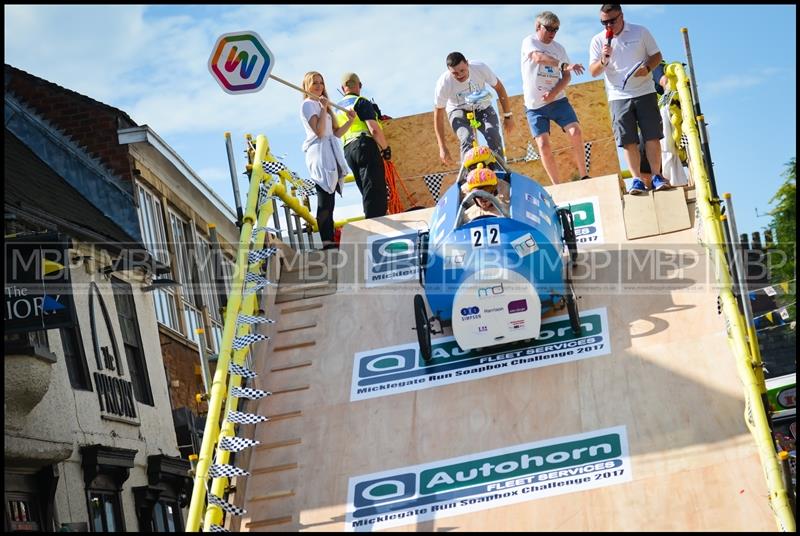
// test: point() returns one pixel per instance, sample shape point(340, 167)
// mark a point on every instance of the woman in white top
point(324, 155)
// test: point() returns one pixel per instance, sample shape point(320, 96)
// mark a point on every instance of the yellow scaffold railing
point(742, 338)
point(255, 217)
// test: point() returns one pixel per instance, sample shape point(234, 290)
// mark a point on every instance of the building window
point(152, 224)
point(75, 358)
point(104, 511)
point(22, 513)
point(132, 341)
point(167, 517)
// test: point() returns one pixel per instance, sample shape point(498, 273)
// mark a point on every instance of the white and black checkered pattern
point(684, 141)
point(530, 153)
point(245, 418)
point(247, 340)
point(434, 183)
point(249, 393)
point(237, 444)
point(225, 505)
point(305, 187)
point(273, 167)
point(247, 319)
point(239, 370)
point(265, 229)
point(224, 470)
point(263, 194)
point(216, 528)
point(587, 152)
point(260, 254)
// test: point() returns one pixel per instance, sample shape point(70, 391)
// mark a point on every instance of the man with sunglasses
point(627, 54)
point(545, 74)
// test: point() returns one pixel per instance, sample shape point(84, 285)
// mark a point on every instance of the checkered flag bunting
point(530, 153)
point(224, 470)
point(245, 418)
point(587, 154)
point(247, 340)
point(434, 183)
point(225, 505)
point(263, 194)
point(260, 254)
point(265, 229)
point(216, 528)
point(247, 319)
point(239, 370)
point(237, 444)
point(306, 187)
point(249, 393)
point(273, 167)
point(684, 141)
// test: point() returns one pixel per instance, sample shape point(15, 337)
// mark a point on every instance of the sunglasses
point(609, 22)
point(551, 29)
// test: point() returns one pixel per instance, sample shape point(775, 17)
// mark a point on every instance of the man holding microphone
point(626, 54)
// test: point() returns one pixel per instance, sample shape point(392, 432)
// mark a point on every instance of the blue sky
point(151, 61)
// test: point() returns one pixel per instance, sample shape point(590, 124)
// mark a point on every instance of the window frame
point(139, 375)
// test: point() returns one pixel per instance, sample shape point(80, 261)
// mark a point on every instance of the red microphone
point(609, 35)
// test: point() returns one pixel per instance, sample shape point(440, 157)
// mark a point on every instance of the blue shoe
point(660, 183)
point(637, 187)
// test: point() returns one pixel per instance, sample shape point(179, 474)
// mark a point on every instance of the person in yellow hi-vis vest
point(365, 147)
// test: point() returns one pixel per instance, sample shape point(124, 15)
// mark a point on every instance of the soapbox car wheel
point(572, 309)
point(422, 255)
point(423, 327)
point(568, 224)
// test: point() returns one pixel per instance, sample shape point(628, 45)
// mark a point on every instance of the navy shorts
point(560, 111)
point(630, 115)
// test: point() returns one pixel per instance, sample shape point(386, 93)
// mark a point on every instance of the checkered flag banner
point(216, 528)
point(273, 167)
point(225, 505)
point(265, 229)
point(434, 184)
point(252, 277)
point(245, 418)
point(260, 254)
point(684, 141)
point(306, 187)
point(247, 340)
point(263, 194)
point(247, 319)
point(239, 370)
point(587, 152)
point(224, 470)
point(249, 393)
point(530, 153)
point(237, 444)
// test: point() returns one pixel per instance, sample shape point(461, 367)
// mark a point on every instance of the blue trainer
point(637, 187)
point(660, 183)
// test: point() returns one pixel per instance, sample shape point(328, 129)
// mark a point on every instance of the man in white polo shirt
point(626, 54)
point(461, 79)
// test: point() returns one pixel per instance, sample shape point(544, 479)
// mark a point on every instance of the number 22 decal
point(485, 236)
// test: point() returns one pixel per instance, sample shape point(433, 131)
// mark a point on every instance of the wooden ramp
point(638, 426)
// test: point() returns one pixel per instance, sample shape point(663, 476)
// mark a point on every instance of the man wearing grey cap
point(365, 147)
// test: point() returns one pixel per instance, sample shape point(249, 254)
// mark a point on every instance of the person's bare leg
point(632, 158)
point(653, 149)
point(548, 160)
point(573, 130)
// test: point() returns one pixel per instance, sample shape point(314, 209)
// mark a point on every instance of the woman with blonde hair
point(324, 155)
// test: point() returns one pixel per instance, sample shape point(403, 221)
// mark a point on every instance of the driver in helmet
point(483, 178)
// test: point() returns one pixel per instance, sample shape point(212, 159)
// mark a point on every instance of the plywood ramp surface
point(667, 386)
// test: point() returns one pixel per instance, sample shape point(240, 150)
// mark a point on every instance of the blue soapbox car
point(494, 277)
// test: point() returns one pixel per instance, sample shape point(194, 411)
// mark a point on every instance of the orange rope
point(392, 178)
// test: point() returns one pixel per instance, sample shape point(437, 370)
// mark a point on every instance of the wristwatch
point(507, 114)
point(562, 66)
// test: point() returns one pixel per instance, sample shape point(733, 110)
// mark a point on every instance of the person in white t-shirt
point(324, 155)
point(626, 54)
point(545, 74)
point(461, 79)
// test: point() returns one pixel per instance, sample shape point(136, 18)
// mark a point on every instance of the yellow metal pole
point(755, 412)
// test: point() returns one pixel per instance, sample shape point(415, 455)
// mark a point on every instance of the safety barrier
point(741, 337)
